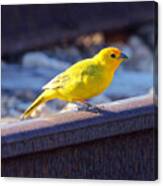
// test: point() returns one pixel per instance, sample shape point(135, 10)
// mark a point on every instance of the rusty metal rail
point(118, 143)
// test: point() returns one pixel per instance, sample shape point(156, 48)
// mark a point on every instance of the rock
point(70, 107)
point(14, 112)
point(39, 59)
point(141, 58)
point(22, 106)
point(9, 106)
point(47, 111)
point(100, 99)
point(25, 95)
point(127, 83)
point(147, 32)
point(70, 54)
point(3, 64)
point(73, 54)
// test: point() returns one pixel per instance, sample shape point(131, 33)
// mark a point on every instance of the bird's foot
point(88, 107)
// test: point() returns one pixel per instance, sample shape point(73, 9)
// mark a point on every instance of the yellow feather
point(83, 80)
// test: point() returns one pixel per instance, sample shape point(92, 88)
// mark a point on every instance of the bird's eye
point(113, 55)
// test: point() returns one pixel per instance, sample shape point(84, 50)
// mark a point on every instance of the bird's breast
point(91, 82)
point(98, 82)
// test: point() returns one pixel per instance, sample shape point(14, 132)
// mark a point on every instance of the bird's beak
point(123, 56)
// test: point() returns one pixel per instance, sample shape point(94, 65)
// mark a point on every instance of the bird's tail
point(41, 99)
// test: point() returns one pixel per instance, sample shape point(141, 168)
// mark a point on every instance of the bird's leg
point(85, 106)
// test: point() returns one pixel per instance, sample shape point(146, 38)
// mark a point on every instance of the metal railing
point(118, 143)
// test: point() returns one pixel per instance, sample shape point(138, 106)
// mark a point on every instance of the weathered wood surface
point(26, 27)
point(118, 143)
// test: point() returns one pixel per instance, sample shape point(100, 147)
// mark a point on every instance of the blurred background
point(40, 41)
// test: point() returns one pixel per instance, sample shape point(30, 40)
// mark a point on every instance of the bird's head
point(111, 57)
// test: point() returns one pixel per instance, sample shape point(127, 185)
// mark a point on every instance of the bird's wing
point(56, 82)
point(75, 71)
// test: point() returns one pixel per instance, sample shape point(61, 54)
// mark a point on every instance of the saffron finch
point(83, 80)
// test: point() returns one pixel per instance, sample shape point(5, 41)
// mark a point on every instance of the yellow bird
point(83, 80)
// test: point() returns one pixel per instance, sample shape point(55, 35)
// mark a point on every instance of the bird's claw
point(88, 107)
